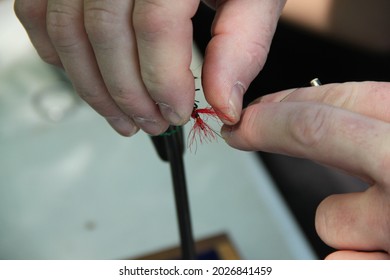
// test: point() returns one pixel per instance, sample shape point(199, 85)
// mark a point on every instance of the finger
point(242, 34)
point(32, 14)
point(66, 30)
point(319, 132)
point(368, 98)
point(112, 37)
point(356, 221)
point(163, 32)
point(356, 255)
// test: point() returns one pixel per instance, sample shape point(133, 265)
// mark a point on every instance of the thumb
point(242, 33)
point(355, 221)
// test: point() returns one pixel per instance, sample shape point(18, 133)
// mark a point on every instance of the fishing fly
point(201, 131)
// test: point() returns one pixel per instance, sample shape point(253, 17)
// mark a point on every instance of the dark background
point(295, 58)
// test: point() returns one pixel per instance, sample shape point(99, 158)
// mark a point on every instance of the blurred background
point(70, 188)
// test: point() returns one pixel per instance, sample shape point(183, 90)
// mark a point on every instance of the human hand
point(346, 126)
point(123, 58)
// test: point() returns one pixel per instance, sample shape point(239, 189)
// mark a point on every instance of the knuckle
point(310, 125)
point(105, 103)
point(60, 22)
point(50, 57)
point(153, 82)
point(159, 79)
point(162, 88)
point(338, 96)
point(125, 98)
point(101, 23)
point(150, 20)
point(86, 93)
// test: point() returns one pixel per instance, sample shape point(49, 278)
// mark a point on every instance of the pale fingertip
point(235, 102)
point(357, 255)
point(226, 132)
point(171, 115)
point(150, 126)
point(124, 127)
point(232, 137)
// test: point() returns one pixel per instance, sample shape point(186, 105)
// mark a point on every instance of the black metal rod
point(174, 151)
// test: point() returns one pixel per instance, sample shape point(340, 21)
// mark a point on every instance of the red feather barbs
point(201, 132)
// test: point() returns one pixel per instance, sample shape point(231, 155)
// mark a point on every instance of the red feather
point(201, 132)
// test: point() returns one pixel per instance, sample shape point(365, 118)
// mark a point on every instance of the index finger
point(323, 133)
point(368, 98)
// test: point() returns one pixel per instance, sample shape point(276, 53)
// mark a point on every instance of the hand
point(123, 58)
point(346, 126)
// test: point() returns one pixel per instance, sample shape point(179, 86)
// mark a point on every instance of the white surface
point(74, 189)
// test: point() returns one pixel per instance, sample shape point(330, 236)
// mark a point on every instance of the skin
point(131, 61)
point(346, 126)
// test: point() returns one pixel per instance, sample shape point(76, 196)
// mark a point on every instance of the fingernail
point(148, 125)
point(235, 101)
point(123, 126)
point(169, 114)
point(226, 132)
